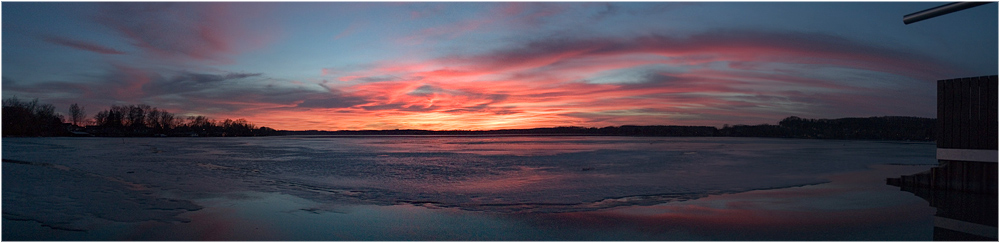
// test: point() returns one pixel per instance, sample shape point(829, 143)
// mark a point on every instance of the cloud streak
point(699, 79)
point(82, 45)
point(183, 31)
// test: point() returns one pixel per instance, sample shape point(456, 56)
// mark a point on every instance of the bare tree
point(135, 115)
point(167, 120)
point(153, 119)
point(77, 114)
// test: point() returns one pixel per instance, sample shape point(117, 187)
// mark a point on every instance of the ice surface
point(64, 198)
point(70, 183)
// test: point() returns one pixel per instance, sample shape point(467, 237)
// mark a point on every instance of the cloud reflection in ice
point(694, 186)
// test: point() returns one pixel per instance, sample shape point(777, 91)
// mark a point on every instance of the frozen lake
point(461, 188)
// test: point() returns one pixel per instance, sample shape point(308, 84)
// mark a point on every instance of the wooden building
point(963, 187)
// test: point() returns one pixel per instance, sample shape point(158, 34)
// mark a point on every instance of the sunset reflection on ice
point(504, 188)
point(848, 208)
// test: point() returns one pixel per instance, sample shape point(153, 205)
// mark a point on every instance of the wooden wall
point(967, 113)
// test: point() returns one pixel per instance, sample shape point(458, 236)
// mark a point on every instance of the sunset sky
point(444, 66)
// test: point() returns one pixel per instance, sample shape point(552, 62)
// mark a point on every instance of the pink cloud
point(739, 49)
point(550, 80)
point(350, 30)
point(707, 79)
point(186, 31)
point(134, 81)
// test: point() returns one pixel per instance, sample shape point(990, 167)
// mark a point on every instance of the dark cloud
point(382, 78)
point(485, 108)
point(169, 83)
point(211, 78)
point(332, 100)
point(610, 9)
point(82, 45)
point(12, 85)
point(178, 91)
point(683, 83)
point(401, 106)
point(425, 90)
point(476, 108)
point(658, 8)
point(498, 97)
point(421, 99)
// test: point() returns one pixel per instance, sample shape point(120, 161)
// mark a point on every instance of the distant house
point(81, 134)
point(77, 131)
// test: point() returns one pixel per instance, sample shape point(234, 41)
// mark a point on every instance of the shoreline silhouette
point(31, 119)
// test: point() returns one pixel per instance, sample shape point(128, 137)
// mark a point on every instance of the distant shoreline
point(891, 128)
point(871, 128)
point(581, 135)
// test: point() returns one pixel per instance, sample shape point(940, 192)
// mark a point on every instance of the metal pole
point(939, 10)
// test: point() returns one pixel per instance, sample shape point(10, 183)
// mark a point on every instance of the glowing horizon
point(485, 66)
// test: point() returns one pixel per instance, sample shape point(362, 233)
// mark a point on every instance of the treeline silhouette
point(22, 118)
point(28, 118)
point(872, 128)
point(889, 127)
